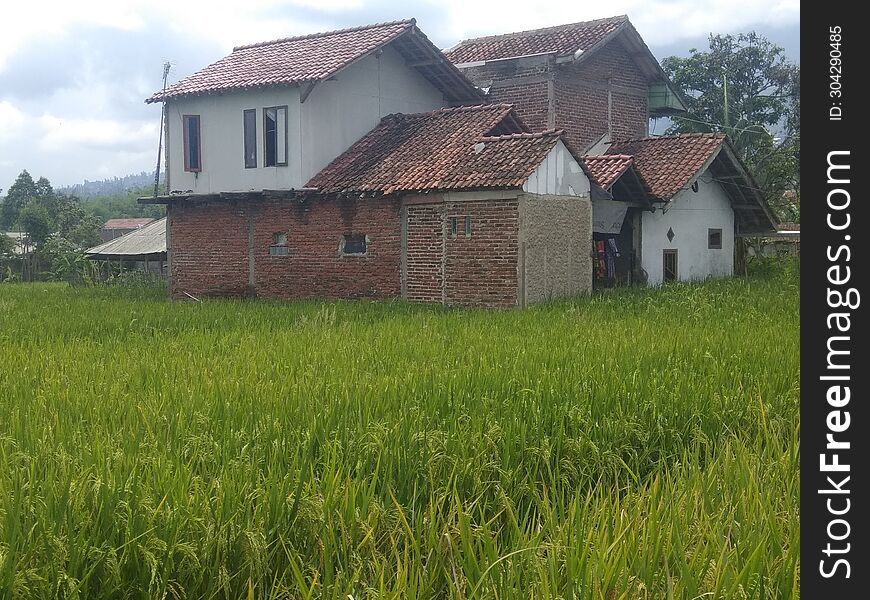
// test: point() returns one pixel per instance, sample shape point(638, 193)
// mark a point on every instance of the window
point(250, 136)
point(279, 244)
point(669, 265)
point(192, 143)
point(714, 239)
point(467, 226)
point(354, 243)
point(275, 136)
point(453, 226)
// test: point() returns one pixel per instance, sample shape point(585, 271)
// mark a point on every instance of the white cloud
point(11, 121)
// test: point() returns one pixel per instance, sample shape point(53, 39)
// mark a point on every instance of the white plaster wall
point(221, 130)
point(343, 109)
point(335, 115)
point(558, 174)
point(690, 215)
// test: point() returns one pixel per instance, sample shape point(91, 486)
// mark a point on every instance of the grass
point(636, 444)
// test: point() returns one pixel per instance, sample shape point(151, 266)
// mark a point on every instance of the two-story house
point(679, 202)
point(363, 163)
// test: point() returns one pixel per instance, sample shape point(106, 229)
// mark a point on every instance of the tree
point(35, 220)
point(745, 87)
point(21, 191)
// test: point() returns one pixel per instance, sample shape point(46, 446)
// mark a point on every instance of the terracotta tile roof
point(561, 40)
point(450, 148)
point(130, 223)
point(607, 168)
point(668, 163)
point(287, 61)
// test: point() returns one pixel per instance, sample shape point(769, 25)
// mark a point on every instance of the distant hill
point(111, 187)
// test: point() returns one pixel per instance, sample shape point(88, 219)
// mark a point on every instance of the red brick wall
point(581, 103)
point(481, 269)
point(530, 100)
point(477, 270)
point(209, 248)
point(425, 238)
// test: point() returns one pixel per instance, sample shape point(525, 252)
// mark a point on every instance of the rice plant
point(635, 444)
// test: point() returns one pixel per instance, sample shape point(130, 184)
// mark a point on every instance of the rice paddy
point(635, 444)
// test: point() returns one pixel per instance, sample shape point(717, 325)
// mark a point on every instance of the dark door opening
point(669, 265)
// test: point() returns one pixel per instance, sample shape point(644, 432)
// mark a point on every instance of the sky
point(74, 74)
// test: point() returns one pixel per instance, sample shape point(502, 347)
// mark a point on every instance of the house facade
point(364, 163)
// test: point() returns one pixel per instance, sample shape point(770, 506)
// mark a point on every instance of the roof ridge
point(309, 36)
point(540, 30)
point(608, 156)
point(451, 109)
point(522, 135)
point(674, 136)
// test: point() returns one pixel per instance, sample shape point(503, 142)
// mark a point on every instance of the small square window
point(714, 239)
point(467, 226)
point(279, 244)
point(354, 244)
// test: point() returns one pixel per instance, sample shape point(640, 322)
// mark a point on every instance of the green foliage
point(36, 221)
point(21, 191)
point(641, 444)
point(123, 204)
point(763, 92)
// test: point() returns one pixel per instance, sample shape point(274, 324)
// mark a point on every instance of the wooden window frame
point(185, 119)
point(467, 225)
point(710, 232)
point(245, 137)
point(670, 252)
point(286, 137)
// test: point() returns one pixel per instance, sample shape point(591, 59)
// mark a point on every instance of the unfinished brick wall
point(581, 97)
point(573, 96)
point(479, 269)
point(222, 248)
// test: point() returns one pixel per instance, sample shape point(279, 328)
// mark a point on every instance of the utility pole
point(166, 67)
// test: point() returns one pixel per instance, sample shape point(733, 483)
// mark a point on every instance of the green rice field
point(638, 444)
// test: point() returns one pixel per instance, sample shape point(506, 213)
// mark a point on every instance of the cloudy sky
point(74, 74)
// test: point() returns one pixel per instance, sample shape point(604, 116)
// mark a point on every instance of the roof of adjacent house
point(670, 164)
point(560, 40)
point(131, 223)
point(315, 57)
point(607, 168)
point(475, 147)
point(147, 241)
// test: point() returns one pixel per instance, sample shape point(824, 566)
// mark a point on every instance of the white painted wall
point(221, 129)
point(690, 215)
point(558, 174)
point(343, 109)
point(335, 115)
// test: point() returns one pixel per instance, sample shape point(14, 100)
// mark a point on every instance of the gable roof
point(672, 163)
point(146, 241)
point(472, 147)
point(607, 168)
point(316, 57)
point(559, 40)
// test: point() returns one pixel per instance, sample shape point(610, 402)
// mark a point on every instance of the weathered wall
point(581, 97)
point(559, 173)
point(690, 215)
point(573, 95)
point(222, 248)
point(335, 115)
point(479, 269)
point(555, 243)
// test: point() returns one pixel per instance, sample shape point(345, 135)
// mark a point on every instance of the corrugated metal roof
point(148, 240)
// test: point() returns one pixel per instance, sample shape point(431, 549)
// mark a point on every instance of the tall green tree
point(19, 193)
point(743, 85)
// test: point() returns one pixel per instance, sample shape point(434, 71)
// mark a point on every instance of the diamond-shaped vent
point(671, 234)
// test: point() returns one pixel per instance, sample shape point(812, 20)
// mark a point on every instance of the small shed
point(115, 228)
point(145, 248)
